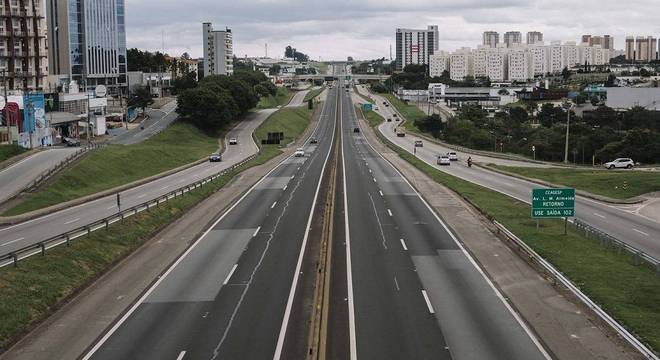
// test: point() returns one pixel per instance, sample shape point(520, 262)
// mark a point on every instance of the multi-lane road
point(638, 231)
point(158, 120)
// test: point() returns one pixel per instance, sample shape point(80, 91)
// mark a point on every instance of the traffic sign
point(100, 91)
point(553, 203)
point(366, 107)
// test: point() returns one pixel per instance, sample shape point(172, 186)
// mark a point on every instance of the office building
point(218, 51)
point(23, 56)
point(512, 38)
point(438, 63)
point(534, 38)
point(415, 46)
point(87, 42)
point(491, 39)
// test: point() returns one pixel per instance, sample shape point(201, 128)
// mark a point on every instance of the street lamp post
point(567, 106)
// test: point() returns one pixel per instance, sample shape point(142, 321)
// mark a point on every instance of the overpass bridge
point(330, 77)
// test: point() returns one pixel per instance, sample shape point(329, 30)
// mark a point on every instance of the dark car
point(313, 141)
point(216, 156)
point(389, 119)
point(71, 141)
point(356, 129)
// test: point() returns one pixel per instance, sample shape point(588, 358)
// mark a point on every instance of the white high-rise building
point(491, 39)
point(512, 38)
point(439, 63)
point(534, 38)
point(539, 59)
point(461, 64)
point(415, 46)
point(218, 51)
point(555, 58)
point(497, 65)
point(520, 64)
point(480, 58)
point(570, 53)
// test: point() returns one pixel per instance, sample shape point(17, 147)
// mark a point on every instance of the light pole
point(567, 106)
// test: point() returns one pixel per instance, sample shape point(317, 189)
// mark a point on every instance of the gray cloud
point(365, 28)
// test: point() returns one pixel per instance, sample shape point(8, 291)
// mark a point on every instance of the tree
point(289, 52)
point(274, 70)
point(261, 90)
point(581, 99)
point(187, 81)
point(644, 73)
point(565, 73)
point(186, 56)
point(141, 98)
point(241, 91)
point(208, 109)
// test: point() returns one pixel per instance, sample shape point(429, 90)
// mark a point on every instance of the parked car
point(419, 143)
point(313, 140)
point(300, 152)
point(452, 156)
point(71, 141)
point(216, 156)
point(621, 163)
point(233, 141)
point(444, 160)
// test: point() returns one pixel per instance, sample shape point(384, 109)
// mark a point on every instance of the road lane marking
point(374, 179)
point(284, 188)
point(111, 207)
point(181, 355)
point(380, 192)
point(164, 187)
point(380, 226)
point(256, 231)
point(599, 215)
point(272, 206)
point(428, 302)
point(641, 232)
point(71, 221)
point(389, 212)
point(403, 244)
point(13, 241)
point(141, 196)
point(396, 283)
point(230, 274)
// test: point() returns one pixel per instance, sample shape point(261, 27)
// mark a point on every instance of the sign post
point(553, 203)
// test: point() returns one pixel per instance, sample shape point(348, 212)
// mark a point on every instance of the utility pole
point(7, 121)
point(568, 125)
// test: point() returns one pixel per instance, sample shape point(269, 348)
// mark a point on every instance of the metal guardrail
point(50, 172)
point(40, 247)
point(586, 301)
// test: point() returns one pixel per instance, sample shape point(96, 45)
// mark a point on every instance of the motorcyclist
point(469, 161)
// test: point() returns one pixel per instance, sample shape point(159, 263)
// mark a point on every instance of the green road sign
point(553, 203)
point(348, 77)
point(366, 107)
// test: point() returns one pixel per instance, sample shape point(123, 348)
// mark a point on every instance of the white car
point(300, 152)
point(444, 160)
point(453, 156)
point(233, 141)
point(621, 163)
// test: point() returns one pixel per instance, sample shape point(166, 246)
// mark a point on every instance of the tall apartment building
point(539, 56)
point(605, 41)
point(520, 64)
point(415, 46)
point(534, 37)
point(630, 48)
point(645, 49)
point(23, 56)
point(87, 42)
point(218, 51)
point(512, 38)
point(461, 64)
point(438, 63)
point(570, 54)
point(491, 38)
point(497, 65)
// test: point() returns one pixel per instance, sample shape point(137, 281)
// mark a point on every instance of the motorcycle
point(469, 162)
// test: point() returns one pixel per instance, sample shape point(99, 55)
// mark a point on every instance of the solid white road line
point(428, 302)
point(181, 355)
point(230, 274)
point(256, 231)
point(284, 188)
point(71, 221)
point(272, 206)
point(374, 179)
point(380, 192)
point(641, 232)
point(389, 212)
point(141, 196)
point(396, 283)
point(599, 215)
point(403, 244)
point(13, 241)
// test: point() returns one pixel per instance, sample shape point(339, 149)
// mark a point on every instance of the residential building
point(645, 48)
point(491, 39)
point(520, 65)
point(539, 59)
point(218, 51)
point(87, 42)
point(630, 48)
point(438, 63)
point(480, 60)
point(570, 54)
point(534, 38)
point(555, 58)
point(415, 46)
point(512, 38)
point(461, 64)
point(497, 65)
point(23, 55)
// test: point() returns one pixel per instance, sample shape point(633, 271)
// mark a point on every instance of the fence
point(40, 247)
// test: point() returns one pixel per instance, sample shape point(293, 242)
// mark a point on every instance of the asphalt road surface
point(228, 296)
point(39, 229)
point(634, 229)
point(415, 292)
point(158, 120)
point(16, 177)
point(297, 99)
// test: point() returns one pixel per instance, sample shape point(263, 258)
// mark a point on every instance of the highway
point(637, 231)
point(41, 228)
point(414, 292)
point(229, 296)
point(158, 120)
point(297, 99)
point(16, 177)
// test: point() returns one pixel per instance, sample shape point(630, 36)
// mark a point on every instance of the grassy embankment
point(410, 112)
point(281, 98)
point(292, 121)
point(313, 93)
point(8, 151)
point(628, 292)
point(33, 290)
point(116, 165)
point(598, 181)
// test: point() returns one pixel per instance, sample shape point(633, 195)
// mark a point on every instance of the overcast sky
point(364, 29)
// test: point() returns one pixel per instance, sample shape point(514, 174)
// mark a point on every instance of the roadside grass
point(281, 98)
point(313, 93)
point(409, 112)
point(601, 182)
point(292, 121)
point(40, 284)
point(8, 151)
point(116, 165)
point(628, 292)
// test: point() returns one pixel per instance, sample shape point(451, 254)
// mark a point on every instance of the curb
point(18, 158)
point(605, 199)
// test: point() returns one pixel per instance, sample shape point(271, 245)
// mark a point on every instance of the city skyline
point(364, 29)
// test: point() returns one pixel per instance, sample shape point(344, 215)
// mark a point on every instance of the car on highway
point(389, 119)
point(444, 160)
point(620, 163)
point(313, 140)
point(419, 143)
point(356, 129)
point(70, 141)
point(216, 156)
point(300, 152)
point(233, 141)
point(452, 156)
point(395, 115)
